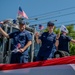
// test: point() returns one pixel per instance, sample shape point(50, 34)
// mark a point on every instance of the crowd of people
point(51, 43)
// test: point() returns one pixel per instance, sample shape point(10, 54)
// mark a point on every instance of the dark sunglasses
point(50, 25)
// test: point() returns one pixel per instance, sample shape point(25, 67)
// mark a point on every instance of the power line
point(42, 16)
point(45, 14)
point(55, 16)
point(65, 22)
point(65, 25)
point(44, 22)
point(55, 21)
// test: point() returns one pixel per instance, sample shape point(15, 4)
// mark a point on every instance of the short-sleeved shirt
point(20, 38)
point(64, 43)
point(48, 43)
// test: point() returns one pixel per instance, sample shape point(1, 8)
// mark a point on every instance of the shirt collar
point(50, 33)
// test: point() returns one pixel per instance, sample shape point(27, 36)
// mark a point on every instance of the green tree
point(71, 34)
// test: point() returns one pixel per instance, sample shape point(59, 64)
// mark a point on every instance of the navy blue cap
point(50, 23)
point(22, 23)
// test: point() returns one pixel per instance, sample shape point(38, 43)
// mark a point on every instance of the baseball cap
point(63, 29)
point(22, 23)
point(50, 23)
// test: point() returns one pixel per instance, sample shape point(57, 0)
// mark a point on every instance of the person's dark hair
point(50, 23)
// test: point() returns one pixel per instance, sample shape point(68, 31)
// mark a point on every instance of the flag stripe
point(22, 13)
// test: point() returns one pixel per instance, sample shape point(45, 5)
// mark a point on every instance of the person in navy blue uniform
point(64, 40)
point(48, 42)
point(22, 39)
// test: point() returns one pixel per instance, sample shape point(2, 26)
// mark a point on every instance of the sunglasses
point(50, 25)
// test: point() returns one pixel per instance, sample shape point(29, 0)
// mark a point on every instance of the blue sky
point(36, 9)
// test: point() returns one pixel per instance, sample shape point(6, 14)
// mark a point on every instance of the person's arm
point(37, 38)
point(70, 39)
point(57, 40)
point(73, 41)
point(26, 46)
point(4, 33)
point(29, 42)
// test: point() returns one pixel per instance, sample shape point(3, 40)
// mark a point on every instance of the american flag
point(21, 13)
point(41, 27)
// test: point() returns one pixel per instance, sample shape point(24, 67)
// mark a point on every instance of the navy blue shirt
point(48, 43)
point(20, 38)
point(64, 43)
